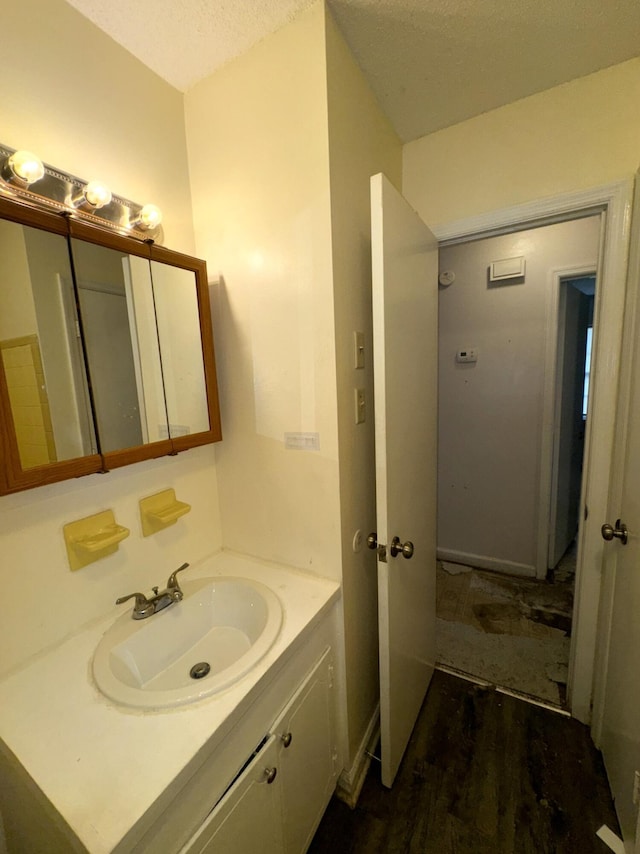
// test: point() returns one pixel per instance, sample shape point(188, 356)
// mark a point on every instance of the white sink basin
point(223, 626)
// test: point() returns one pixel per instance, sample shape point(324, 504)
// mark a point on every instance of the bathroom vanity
point(250, 768)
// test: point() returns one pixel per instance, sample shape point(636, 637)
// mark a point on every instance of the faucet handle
point(172, 583)
point(142, 607)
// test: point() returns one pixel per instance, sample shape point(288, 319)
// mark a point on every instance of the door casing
point(616, 201)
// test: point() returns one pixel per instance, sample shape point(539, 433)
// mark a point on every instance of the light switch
point(358, 343)
point(360, 406)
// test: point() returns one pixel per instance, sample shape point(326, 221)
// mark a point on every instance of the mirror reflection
point(41, 348)
point(178, 321)
point(121, 342)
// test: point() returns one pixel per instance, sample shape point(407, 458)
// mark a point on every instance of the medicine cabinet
point(106, 350)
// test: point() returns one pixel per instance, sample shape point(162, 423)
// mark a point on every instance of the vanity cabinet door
point(306, 763)
point(248, 818)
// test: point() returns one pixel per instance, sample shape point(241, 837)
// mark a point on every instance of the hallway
point(507, 631)
point(484, 773)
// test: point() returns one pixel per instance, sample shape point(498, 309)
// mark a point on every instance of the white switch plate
point(361, 406)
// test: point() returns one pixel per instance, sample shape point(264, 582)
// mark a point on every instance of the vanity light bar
point(25, 177)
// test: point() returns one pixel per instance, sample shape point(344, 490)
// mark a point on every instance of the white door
point(405, 342)
point(620, 723)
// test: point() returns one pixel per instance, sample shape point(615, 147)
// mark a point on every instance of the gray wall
point(491, 418)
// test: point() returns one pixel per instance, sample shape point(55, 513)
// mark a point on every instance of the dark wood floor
point(484, 773)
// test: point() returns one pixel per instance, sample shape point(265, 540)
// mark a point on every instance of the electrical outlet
point(360, 406)
point(636, 787)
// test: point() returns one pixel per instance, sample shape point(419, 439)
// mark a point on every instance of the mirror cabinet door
point(121, 341)
point(176, 303)
point(48, 418)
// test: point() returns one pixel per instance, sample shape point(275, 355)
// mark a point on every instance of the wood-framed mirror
point(106, 350)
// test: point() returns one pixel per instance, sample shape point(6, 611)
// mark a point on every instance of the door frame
point(615, 200)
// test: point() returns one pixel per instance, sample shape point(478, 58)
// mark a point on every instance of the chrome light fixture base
point(65, 193)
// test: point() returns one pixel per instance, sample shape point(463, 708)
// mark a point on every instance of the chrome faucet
point(161, 599)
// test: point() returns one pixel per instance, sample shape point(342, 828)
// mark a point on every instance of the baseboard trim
point(351, 781)
point(494, 564)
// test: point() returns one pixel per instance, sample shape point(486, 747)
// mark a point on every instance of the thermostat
point(469, 355)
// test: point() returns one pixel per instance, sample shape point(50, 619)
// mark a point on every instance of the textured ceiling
point(431, 63)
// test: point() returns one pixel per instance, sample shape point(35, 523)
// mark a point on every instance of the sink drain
point(199, 670)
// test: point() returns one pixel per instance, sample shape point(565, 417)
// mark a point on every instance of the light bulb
point(96, 194)
point(25, 167)
point(149, 217)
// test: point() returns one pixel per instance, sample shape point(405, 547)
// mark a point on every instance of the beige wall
point(361, 143)
point(258, 155)
point(84, 104)
point(579, 135)
point(98, 113)
point(281, 210)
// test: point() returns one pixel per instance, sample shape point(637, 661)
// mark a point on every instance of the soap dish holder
point(93, 538)
point(160, 511)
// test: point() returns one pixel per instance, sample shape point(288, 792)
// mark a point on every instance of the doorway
point(514, 314)
point(571, 402)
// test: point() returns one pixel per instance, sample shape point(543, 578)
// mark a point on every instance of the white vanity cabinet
point(307, 759)
point(249, 816)
point(275, 804)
